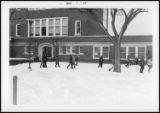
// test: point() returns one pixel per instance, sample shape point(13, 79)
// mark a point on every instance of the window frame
point(47, 27)
point(17, 30)
point(101, 51)
point(76, 27)
point(70, 49)
point(80, 53)
point(61, 48)
point(136, 51)
point(73, 46)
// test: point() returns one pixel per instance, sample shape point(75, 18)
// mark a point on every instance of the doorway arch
point(48, 48)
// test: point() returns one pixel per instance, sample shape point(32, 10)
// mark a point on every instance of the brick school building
point(69, 31)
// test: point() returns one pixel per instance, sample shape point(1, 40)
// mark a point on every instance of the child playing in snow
point(142, 63)
point(128, 61)
point(57, 61)
point(149, 63)
point(77, 59)
point(70, 62)
point(100, 61)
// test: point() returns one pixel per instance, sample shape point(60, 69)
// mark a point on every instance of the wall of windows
point(101, 51)
point(74, 49)
point(48, 27)
point(133, 52)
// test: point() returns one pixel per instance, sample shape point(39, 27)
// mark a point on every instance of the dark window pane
point(18, 27)
point(43, 31)
point(31, 34)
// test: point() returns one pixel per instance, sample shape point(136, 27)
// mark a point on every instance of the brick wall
point(88, 24)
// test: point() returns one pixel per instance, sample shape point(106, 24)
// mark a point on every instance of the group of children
point(73, 61)
point(129, 62)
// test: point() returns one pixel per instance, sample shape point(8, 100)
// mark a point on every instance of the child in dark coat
point(57, 61)
point(100, 61)
point(77, 59)
point(136, 61)
point(128, 61)
point(142, 64)
point(45, 61)
point(70, 62)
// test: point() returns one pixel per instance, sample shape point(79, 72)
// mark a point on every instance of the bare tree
point(116, 39)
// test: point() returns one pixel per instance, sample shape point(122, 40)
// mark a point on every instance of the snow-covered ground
point(87, 85)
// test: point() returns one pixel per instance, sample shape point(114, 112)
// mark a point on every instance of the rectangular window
point(48, 27)
point(105, 52)
point(131, 52)
point(51, 27)
point(18, 27)
point(68, 49)
point(57, 30)
point(57, 26)
point(32, 31)
point(141, 52)
point(80, 49)
point(74, 49)
point(64, 26)
point(78, 27)
point(97, 52)
point(31, 28)
point(123, 52)
point(37, 27)
point(37, 31)
point(44, 27)
point(60, 49)
point(51, 31)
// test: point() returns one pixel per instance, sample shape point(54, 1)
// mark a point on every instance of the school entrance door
point(48, 51)
point(45, 48)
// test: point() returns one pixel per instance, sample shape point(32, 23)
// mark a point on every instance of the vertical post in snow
point(15, 90)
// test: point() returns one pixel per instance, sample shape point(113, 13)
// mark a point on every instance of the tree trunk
point(117, 63)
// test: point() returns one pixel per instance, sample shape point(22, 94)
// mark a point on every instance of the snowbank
point(87, 86)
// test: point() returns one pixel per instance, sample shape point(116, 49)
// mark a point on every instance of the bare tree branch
point(130, 16)
point(134, 14)
point(113, 14)
point(125, 14)
point(93, 14)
